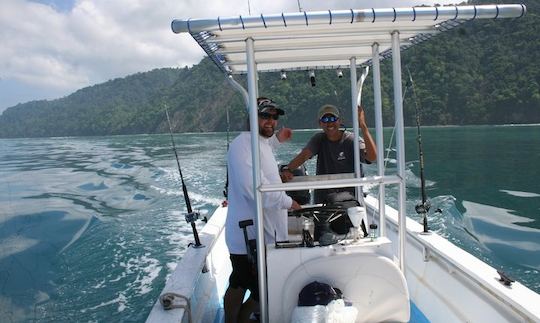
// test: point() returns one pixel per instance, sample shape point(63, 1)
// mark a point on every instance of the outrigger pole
point(244, 93)
point(423, 207)
point(191, 216)
point(356, 93)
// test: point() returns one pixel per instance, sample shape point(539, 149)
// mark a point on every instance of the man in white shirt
point(241, 206)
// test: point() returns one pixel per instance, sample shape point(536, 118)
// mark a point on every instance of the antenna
point(249, 8)
point(299, 8)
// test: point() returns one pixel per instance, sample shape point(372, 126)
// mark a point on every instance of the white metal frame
point(326, 39)
point(357, 181)
point(329, 39)
point(379, 132)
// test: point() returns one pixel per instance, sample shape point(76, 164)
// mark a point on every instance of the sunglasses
point(268, 116)
point(327, 119)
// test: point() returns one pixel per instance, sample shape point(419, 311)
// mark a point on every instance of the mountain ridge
point(481, 73)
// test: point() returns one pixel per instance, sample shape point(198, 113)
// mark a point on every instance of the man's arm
point(297, 161)
point(300, 159)
point(284, 134)
point(371, 148)
point(278, 200)
point(280, 137)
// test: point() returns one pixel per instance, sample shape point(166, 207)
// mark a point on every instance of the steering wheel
point(321, 213)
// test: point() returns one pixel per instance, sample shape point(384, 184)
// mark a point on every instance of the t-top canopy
point(326, 39)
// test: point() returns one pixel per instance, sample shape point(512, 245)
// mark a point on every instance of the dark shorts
point(244, 275)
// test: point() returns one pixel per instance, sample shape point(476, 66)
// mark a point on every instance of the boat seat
point(373, 283)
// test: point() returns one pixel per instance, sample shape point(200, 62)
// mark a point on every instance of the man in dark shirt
point(334, 149)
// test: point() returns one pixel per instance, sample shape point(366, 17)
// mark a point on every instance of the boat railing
point(197, 282)
point(462, 265)
point(326, 181)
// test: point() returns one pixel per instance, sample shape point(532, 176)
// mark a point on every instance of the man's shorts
point(244, 275)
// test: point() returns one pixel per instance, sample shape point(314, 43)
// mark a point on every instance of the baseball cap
point(328, 109)
point(267, 105)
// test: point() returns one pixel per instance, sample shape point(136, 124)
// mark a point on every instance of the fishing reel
point(193, 216)
point(422, 207)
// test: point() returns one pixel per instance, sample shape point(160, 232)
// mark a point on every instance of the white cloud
point(97, 40)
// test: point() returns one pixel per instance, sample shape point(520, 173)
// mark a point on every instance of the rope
point(167, 301)
point(457, 12)
point(189, 26)
point(242, 21)
point(330, 13)
point(522, 11)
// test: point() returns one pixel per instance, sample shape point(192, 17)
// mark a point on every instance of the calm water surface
point(91, 227)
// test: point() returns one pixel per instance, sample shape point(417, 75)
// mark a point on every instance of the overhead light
point(312, 77)
point(339, 73)
point(283, 75)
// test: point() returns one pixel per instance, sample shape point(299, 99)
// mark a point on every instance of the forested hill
point(486, 72)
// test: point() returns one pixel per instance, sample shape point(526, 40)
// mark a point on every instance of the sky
point(51, 48)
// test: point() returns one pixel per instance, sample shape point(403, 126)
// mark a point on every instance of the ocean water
point(90, 228)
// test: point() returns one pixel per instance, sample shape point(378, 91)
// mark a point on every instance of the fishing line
point(423, 207)
point(388, 150)
point(191, 216)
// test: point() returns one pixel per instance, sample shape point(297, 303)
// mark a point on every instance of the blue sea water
point(90, 228)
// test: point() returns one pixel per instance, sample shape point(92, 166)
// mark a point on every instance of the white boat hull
point(449, 284)
point(446, 283)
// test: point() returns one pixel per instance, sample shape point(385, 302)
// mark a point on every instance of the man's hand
point(295, 205)
point(371, 148)
point(286, 175)
point(361, 117)
point(284, 134)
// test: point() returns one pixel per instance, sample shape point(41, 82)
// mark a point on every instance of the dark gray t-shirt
point(334, 157)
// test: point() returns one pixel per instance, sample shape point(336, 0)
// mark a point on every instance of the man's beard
point(266, 132)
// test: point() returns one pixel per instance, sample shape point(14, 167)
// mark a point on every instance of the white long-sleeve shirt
point(241, 196)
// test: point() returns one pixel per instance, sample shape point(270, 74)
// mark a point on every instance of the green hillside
point(486, 72)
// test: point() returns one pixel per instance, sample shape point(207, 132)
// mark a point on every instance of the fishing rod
point(226, 188)
point(421, 208)
point(191, 216)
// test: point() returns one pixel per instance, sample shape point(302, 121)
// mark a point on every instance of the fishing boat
point(399, 271)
